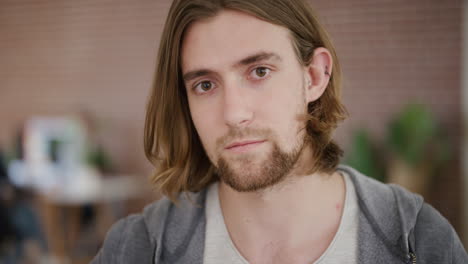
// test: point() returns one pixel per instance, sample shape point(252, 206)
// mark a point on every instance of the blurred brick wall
point(68, 56)
point(394, 52)
point(64, 56)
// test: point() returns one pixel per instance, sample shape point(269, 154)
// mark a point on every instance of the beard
point(251, 177)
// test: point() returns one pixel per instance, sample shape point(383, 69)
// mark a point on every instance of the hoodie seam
point(412, 243)
point(155, 219)
point(120, 238)
point(396, 251)
point(153, 257)
point(400, 217)
point(152, 242)
point(169, 210)
point(160, 237)
point(366, 212)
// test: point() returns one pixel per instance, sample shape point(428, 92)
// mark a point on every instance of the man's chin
point(249, 174)
point(247, 185)
point(248, 177)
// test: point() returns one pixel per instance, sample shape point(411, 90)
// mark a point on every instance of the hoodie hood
point(390, 211)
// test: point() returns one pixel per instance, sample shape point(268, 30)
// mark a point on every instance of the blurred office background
point(80, 71)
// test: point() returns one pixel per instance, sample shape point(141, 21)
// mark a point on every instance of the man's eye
point(204, 86)
point(259, 73)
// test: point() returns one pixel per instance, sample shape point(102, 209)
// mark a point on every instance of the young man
point(239, 125)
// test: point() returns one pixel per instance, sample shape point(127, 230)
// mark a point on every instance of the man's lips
point(244, 143)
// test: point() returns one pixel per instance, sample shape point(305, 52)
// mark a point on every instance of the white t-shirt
point(219, 247)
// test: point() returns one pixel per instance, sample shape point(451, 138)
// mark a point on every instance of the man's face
point(245, 90)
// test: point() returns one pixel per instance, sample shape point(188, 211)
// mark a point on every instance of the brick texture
point(61, 57)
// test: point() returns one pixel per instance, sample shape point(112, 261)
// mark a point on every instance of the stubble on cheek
point(251, 176)
point(257, 171)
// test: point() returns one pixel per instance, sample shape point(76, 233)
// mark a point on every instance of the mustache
point(238, 134)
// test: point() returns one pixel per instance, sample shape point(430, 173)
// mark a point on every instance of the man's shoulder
point(404, 222)
point(385, 202)
point(441, 240)
point(127, 239)
point(134, 239)
point(391, 201)
point(130, 238)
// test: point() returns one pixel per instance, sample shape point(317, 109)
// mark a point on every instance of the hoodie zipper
point(412, 258)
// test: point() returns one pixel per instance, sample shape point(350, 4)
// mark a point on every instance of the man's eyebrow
point(195, 74)
point(261, 56)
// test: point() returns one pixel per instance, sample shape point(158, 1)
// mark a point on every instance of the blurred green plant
point(414, 137)
point(98, 158)
point(364, 156)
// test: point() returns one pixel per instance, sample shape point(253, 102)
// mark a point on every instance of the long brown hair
point(171, 142)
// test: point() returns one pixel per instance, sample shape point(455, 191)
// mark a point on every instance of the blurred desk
point(61, 210)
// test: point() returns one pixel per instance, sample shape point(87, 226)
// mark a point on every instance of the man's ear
point(318, 74)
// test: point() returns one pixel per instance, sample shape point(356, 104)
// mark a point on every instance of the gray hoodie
point(395, 226)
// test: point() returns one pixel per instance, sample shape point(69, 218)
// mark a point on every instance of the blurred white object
point(58, 140)
point(54, 154)
point(55, 166)
point(112, 188)
point(18, 174)
point(84, 182)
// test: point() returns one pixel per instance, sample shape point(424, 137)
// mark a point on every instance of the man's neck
point(298, 217)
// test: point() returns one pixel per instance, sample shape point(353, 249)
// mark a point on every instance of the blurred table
point(62, 209)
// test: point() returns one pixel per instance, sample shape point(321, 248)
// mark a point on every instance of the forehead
point(229, 37)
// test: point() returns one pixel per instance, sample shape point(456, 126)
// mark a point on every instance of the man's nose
point(237, 110)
